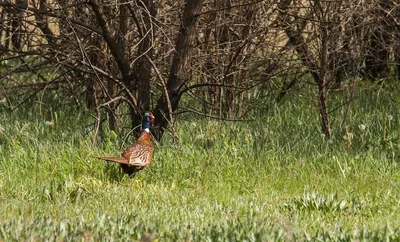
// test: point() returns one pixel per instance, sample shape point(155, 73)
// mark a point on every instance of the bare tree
point(224, 56)
point(178, 74)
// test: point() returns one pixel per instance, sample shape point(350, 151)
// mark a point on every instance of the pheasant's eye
point(151, 117)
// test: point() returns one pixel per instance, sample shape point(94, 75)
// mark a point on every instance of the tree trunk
point(323, 109)
point(3, 14)
point(112, 120)
point(115, 43)
point(178, 70)
point(142, 67)
point(322, 82)
point(42, 22)
point(318, 72)
point(16, 25)
point(398, 63)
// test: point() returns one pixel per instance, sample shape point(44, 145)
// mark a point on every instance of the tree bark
point(318, 72)
point(323, 82)
point(178, 71)
point(145, 52)
point(3, 14)
point(16, 25)
point(42, 22)
point(323, 109)
point(398, 62)
point(115, 43)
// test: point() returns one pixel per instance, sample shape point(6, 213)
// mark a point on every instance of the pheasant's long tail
point(120, 160)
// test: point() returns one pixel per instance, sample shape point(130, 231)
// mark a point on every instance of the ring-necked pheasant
point(137, 156)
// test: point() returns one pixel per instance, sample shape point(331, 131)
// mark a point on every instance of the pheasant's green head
point(147, 118)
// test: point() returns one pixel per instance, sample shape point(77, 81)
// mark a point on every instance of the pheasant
point(137, 156)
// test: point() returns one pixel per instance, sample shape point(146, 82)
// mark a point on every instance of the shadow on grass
point(114, 173)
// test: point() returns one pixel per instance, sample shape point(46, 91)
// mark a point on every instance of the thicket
point(212, 58)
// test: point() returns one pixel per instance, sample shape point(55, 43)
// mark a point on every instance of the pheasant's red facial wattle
point(151, 116)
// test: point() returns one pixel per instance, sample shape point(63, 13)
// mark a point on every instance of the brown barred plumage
point(138, 156)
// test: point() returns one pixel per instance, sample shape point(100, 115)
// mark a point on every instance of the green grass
point(273, 179)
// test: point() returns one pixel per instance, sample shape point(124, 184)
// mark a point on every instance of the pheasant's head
point(147, 118)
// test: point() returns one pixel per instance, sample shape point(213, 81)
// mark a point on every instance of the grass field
point(272, 179)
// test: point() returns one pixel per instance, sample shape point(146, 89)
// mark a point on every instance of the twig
point(164, 87)
point(34, 85)
point(26, 63)
point(38, 90)
point(346, 113)
point(341, 105)
point(170, 121)
point(85, 57)
point(97, 127)
point(127, 135)
point(211, 85)
point(226, 8)
point(54, 15)
point(174, 134)
point(188, 110)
